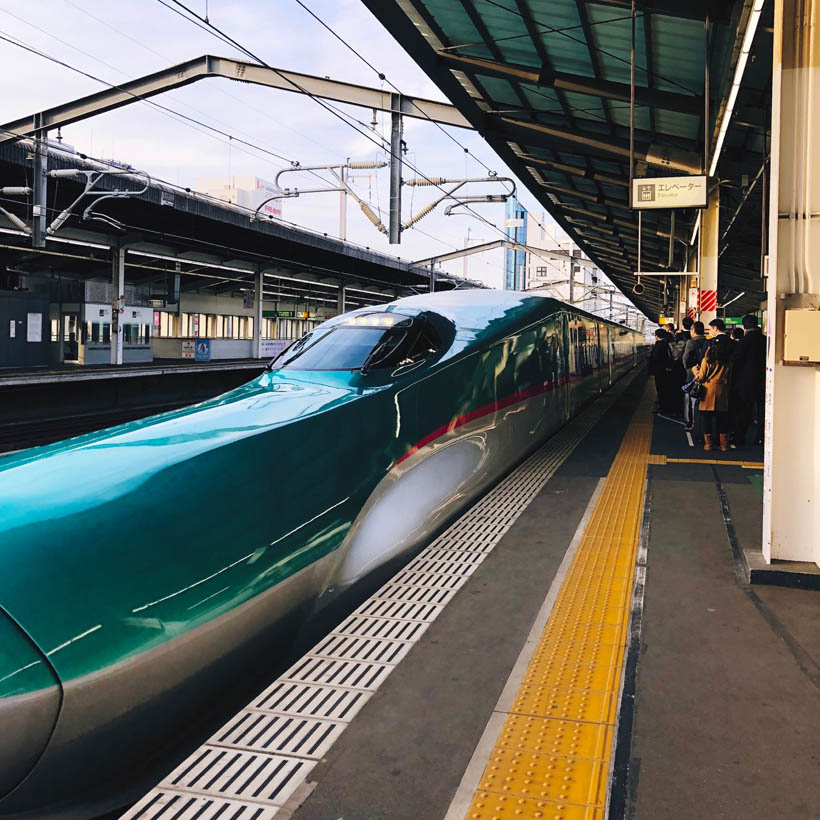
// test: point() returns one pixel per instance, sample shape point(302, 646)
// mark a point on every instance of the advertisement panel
point(188, 348)
point(203, 350)
point(272, 347)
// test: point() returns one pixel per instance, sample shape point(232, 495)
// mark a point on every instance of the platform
point(159, 367)
point(582, 643)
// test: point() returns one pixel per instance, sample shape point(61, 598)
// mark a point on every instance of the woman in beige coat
point(713, 373)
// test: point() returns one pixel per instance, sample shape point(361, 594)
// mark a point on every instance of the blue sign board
point(203, 350)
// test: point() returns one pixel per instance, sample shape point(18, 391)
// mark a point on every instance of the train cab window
point(362, 341)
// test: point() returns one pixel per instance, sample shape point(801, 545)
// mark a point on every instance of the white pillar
point(708, 266)
point(117, 303)
point(791, 477)
point(340, 304)
point(258, 300)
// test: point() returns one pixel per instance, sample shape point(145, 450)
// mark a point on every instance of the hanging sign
point(669, 192)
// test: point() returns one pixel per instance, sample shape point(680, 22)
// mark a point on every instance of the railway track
point(19, 435)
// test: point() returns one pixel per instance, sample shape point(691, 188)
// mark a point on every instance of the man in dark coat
point(749, 379)
point(662, 367)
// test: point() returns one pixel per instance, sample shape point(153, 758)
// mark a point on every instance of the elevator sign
point(669, 192)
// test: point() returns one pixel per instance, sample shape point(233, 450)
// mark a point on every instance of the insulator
point(418, 182)
point(15, 190)
point(16, 221)
point(363, 165)
point(369, 213)
point(421, 214)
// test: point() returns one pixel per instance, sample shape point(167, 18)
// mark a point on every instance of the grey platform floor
point(727, 712)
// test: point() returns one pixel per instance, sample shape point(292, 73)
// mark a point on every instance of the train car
point(141, 564)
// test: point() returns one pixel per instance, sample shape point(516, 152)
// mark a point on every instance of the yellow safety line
point(552, 757)
point(657, 458)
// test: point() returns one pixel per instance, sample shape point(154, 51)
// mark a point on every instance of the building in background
point(247, 192)
point(515, 262)
point(575, 280)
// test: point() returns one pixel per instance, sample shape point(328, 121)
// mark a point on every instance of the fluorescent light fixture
point(745, 49)
point(695, 230)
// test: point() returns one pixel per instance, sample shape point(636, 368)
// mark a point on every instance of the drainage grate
point(253, 765)
point(280, 734)
point(163, 804)
point(292, 698)
point(252, 776)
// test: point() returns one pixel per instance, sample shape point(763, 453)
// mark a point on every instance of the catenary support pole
point(340, 301)
point(117, 302)
point(40, 187)
point(396, 126)
point(258, 302)
point(343, 205)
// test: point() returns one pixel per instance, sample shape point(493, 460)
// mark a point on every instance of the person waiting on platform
point(662, 367)
point(714, 373)
point(737, 333)
point(692, 356)
point(677, 377)
point(685, 332)
point(749, 380)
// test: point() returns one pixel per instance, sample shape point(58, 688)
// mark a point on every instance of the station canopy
point(548, 86)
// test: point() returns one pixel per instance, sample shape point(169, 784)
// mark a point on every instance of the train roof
point(478, 308)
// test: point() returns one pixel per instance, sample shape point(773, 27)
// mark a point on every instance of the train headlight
point(385, 320)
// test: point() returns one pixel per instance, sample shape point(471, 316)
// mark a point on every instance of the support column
point(340, 302)
point(117, 302)
point(396, 130)
point(256, 347)
point(708, 263)
point(692, 285)
point(791, 476)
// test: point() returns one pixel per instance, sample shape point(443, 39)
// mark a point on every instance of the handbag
point(695, 389)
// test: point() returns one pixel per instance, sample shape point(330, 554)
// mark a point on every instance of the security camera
point(638, 288)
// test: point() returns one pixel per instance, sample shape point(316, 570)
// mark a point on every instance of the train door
point(568, 361)
point(553, 371)
point(606, 355)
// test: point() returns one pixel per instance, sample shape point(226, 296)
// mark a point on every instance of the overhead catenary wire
point(222, 91)
point(382, 76)
point(227, 38)
point(5, 36)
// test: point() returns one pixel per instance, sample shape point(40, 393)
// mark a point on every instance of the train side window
point(425, 344)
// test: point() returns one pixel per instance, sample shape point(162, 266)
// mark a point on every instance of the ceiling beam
point(605, 89)
point(718, 12)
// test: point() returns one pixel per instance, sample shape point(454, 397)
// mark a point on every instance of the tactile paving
point(552, 756)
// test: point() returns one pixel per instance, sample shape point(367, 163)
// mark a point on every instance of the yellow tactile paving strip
point(552, 756)
point(659, 458)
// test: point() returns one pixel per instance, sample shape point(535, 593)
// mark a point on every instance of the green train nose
point(30, 696)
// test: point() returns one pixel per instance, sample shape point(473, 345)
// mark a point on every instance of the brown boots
point(724, 442)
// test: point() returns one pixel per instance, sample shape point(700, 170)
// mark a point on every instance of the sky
point(116, 40)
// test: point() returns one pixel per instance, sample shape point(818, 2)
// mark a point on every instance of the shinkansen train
point(141, 564)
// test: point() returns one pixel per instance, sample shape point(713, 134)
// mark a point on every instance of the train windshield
point(369, 340)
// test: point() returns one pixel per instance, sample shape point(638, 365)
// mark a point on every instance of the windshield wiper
point(371, 358)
